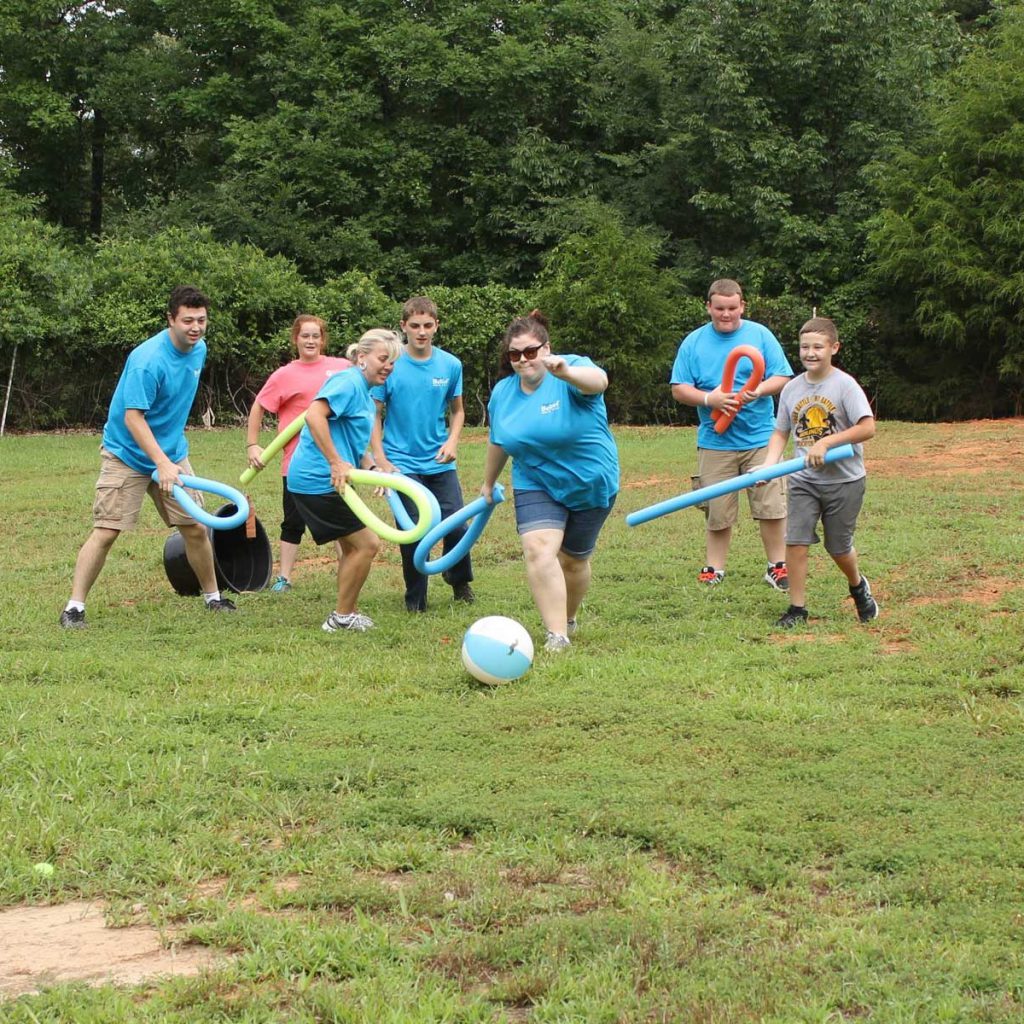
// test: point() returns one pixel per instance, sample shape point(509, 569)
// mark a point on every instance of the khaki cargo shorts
point(120, 491)
point(713, 466)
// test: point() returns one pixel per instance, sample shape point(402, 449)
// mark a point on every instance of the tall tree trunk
point(99, 141)
point(7, 397)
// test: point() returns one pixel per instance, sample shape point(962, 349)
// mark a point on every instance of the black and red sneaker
point(777, 576)
point(710, 576)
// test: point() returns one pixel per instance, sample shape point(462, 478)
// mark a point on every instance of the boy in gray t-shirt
point(822, 408)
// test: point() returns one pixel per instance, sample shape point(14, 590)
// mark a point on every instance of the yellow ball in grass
point(43, 869)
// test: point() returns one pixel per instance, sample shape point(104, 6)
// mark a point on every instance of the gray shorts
point(835, 506)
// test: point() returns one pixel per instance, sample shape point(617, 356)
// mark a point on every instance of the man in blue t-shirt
point(697, 381)
point(145, 431)
point(419, 421)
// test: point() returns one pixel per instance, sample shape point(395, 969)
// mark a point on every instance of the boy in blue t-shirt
point(697, 381)
point(420, 416)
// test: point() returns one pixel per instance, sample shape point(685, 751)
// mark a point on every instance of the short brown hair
point(725, 286)
point(186, 296)
point(419, 304)
point(821, 325)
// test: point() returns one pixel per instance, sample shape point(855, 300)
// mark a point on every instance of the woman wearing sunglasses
point(548, 413)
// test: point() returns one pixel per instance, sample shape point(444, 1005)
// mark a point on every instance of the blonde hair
point(371, 339)
point(308, 318)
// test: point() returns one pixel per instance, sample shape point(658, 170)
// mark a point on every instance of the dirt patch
point(43, 946)
point(974, 448)
point(899, 644)
point(804, 637)
point(986, 591)
point(651, 481)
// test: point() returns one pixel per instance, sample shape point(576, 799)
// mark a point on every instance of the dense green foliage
point(953, 233)
point(300, 148)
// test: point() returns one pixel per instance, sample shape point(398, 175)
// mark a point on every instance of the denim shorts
point(535, 510)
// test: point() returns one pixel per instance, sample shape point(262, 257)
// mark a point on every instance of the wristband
point(253, 444)
point(707, 394)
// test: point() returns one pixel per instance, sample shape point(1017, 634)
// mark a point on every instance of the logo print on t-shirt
point(550, 407)
point(440, 382)
point(814, 417)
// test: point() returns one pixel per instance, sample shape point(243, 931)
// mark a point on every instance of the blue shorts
point(535, 510)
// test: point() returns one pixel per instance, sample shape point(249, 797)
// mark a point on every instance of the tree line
point(604, 159)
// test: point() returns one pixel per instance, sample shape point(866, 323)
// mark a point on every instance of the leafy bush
point(606, 298)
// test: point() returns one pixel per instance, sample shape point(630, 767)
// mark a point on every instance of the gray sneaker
point(556, 642)
point(867, 606)
point(72, 618)
point(354, 621)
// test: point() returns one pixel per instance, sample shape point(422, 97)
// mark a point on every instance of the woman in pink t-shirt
point(287, 394)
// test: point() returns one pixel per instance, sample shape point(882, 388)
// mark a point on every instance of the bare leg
point(577, 581)
point(91, 559)
point(796, 562)
point(773, 537)
point(199, 552)
point(289, 551)
point(848, 563)
point(356, 554)
point(546, 578)
point(718, 542)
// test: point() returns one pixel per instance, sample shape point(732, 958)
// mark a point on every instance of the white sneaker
point(354, 621)
point(556, 642)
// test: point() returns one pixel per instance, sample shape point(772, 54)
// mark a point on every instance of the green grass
point(687, 817)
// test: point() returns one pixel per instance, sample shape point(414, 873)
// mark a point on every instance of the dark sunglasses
point(529, 353)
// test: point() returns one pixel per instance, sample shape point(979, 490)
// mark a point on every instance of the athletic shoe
point(571, 627)
point(556, 642)
point(710, 576)
point(222, 604)
point(415, 606)
point(281, 585)
point(72, 618)
point(777, 576)
point(867, 606)
point(464, 593)
point(354, 621)
point(792, 616)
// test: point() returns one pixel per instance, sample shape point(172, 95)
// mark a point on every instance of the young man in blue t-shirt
point(145, 431)
point(697, 381)
point(419, 421)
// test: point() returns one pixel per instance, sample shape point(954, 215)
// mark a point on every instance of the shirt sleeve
point(269, 396)
point(855, 402)
point(775, 362)
point(681, 373)
point(140, 388)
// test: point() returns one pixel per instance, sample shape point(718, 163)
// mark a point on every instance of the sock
point(213, 596)
point(78, 606)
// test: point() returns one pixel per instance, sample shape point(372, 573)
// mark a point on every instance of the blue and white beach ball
point(497, 650)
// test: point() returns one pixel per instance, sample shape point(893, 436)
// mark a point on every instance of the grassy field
point(690, 816)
